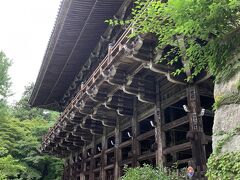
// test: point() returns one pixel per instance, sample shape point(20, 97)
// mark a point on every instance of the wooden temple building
point(118, 106)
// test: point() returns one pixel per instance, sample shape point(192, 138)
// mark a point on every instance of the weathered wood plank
point(125, 144)
point(111, 166)
point(175, 123)
point(176, 148)
point(169, 164)
point(147, 156)
point(146, 135)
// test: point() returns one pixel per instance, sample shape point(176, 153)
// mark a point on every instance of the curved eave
point(78, 28)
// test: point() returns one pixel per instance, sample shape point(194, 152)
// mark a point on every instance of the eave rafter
point(109, 92)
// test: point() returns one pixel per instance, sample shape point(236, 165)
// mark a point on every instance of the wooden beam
point(126, 162)
point(176, 148)
point(147, 156)
point(147, 111)
point(109, 167)
point(97, 156)
point(146, 135)
point(96, 170)
point(174, 98)
point(169, 164)
point(175, 123)
point(110, 150)
point(125, 144)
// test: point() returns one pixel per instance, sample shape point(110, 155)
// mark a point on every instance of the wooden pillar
point(64, 171)
point(66, 168)
point(103, 155)
point(82, 165)
point(160, 137)
point(135, 130)
point(91, 174)
point(74, 167)
point(196, 134)
point(83, 168)
point(173, 135)
point(69, 168)
point(71, 165)
point(79, 164)
point(117, 151)
point(120, 150)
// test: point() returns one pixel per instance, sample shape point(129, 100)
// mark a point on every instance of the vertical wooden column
point(71, 165)
point(79, 163)
point(120, 150)
point(83, 168)
point(65, 173)
point(82, 164)
point(159, 134)
point(117, 151)
point(135, 130)
point(68, 169)
point(91, 175)
point(103, 154)
point(196, 134)
point(74, 168)
point(173, 136)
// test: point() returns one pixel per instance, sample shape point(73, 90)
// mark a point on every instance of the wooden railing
point(106, 62)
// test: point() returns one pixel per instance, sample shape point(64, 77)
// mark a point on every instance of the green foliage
point(19, 146)
point(4, 77)
point(147, 172)
point(203, 34)
point(226, 136)
point(21, 131)
point(55, 168)
point(224, 166)
point(10, 167)
point(233, 98)
point(21, 141)
point(23, 111)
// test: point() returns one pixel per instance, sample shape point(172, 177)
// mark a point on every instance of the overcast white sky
point(25, 28)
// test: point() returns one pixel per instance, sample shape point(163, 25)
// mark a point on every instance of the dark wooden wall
point(159, 134)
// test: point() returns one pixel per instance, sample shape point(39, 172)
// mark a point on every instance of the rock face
point(227, 117)
point(229, 87)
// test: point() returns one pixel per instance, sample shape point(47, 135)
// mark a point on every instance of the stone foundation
point(227, 117)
